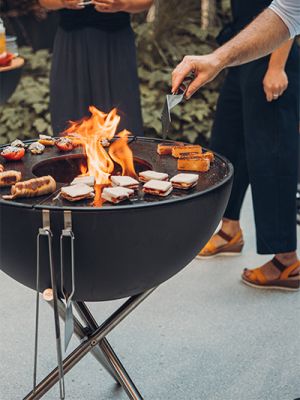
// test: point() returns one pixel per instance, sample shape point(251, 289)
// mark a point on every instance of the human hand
point(72, 4)
point(275, 83)
point(204, 68)
point(109, 6)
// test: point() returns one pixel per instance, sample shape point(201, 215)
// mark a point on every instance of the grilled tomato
point(13, 153)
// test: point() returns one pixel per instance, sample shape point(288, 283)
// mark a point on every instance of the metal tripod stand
point(92, 335)
point(93, 339)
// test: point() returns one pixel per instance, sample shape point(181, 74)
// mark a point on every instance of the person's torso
point(89, 17)
point(244, 11)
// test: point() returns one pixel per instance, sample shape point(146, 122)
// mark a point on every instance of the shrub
point(27, 111)
point(174, 33)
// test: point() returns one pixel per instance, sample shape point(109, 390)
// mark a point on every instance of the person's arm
point(276, 81)
point(266, 33)
point(59, 4)
point(130, 6)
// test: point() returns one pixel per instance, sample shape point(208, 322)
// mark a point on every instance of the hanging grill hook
point(67, 232)
point(46, 231)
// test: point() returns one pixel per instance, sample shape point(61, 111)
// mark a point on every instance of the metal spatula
point(171, 101)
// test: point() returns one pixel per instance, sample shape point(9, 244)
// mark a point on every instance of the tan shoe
point(233, 247)
point(288, 279)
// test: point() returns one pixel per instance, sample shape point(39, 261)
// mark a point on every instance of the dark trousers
point(261, 140)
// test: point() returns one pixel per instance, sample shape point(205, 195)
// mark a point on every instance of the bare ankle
point(287, 258)
point(231, 226)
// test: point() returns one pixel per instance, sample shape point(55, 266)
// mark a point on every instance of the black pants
point(261, 140)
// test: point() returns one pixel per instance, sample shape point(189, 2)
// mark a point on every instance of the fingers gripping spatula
point(172, 100)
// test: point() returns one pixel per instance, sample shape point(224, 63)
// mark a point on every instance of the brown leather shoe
point(233, 247)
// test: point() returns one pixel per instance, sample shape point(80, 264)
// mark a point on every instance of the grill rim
point(121, 207)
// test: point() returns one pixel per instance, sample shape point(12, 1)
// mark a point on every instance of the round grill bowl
point(120, 250)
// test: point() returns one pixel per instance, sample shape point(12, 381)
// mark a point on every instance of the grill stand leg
point(119, 371)
point(90, 343)
point(82, 332)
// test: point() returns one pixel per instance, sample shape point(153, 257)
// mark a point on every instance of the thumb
point(268, 93)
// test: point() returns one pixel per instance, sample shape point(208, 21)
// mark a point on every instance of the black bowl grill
point(119, 250)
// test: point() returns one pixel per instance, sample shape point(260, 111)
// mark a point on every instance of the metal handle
point(184, 85)
point(46, 231)
point(67, 232)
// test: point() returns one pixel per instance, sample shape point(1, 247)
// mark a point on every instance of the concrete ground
point(201, 336)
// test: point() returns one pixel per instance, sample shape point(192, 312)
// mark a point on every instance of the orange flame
point(90, 132)
point(122, 154)
point(83, 169)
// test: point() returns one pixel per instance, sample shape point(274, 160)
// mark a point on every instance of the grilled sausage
point(9, 178)
point(32, 188)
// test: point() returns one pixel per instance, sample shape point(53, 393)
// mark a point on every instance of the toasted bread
point(164, 149)
point(210, 155)
point(177, 151)
point(199, 164)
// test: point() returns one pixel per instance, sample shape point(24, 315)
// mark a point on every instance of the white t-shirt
point(289, 12)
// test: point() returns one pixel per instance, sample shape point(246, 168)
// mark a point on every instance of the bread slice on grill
point(158, 188)
point(164, 149)
point(116, 194)
point(87, 180)
point(146, 176)
point(179, 150)
point(210, 155)
point(198, 164)
point(77, 192)
point(184, 181)
point(124, 181)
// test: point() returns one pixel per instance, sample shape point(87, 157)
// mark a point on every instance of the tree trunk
point(208, 13)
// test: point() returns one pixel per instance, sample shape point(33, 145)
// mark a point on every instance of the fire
point(91, 133)
point(122, 154)
point(83, 169)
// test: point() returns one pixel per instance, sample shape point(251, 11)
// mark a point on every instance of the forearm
point(279, 57)
point(51, 4)
point(136, 6)
point(266, 33)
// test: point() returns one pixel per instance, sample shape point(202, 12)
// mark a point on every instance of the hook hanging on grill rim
point(46, 231)
point(67, 232)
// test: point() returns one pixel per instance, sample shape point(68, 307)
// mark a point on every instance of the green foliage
point(161, 46)
point(27, 111)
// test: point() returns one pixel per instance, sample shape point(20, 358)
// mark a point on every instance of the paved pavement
point(201, 336)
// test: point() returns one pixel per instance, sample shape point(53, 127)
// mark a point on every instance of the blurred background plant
point(178, 28)
point(27, 111)
point(171, 29)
